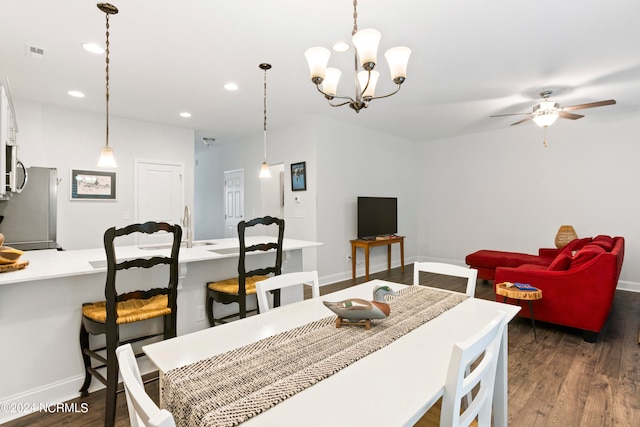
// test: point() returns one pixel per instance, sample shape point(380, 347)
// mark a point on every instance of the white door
point(233, 201)
point(159, 195)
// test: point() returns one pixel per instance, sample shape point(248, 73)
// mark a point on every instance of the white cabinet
point(9, 163)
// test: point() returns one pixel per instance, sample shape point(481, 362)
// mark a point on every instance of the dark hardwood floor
point(560, 380)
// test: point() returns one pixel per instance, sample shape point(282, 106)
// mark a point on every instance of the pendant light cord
point(265, 114)
point(107, 80)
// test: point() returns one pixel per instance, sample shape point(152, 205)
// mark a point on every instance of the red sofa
point(486, 261)
point(577, 286)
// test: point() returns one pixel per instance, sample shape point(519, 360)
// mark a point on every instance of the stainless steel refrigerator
point(28, 218)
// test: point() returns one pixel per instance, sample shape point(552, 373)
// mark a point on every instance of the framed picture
point(93, 185)
point(299, 176)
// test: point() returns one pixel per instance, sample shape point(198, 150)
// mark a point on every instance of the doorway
point(233, 201)
point(159, 195)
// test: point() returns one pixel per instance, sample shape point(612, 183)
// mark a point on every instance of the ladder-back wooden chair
point(106, 317)
point(236, 290)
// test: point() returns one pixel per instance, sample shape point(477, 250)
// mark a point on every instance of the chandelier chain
point(355, 17)
point(265, 100)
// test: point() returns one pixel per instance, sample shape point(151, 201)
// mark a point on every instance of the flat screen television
point(377, 216)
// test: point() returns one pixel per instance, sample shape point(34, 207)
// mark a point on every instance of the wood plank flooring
point(560, 380)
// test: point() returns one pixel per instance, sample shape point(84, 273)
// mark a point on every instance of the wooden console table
point(367, 244)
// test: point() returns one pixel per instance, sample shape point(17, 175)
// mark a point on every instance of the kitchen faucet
point(186, 223)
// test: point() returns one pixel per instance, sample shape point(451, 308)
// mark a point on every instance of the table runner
point(230, 388)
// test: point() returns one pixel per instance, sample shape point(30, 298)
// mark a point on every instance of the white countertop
point(51, 263)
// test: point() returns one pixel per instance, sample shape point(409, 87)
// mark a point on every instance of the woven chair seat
point(230, 286)
point(129, 311)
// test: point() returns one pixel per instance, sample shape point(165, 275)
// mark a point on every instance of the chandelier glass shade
point(366, 44)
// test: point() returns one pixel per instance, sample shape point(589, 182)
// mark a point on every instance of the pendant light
point(264, 169)
point(106, 153)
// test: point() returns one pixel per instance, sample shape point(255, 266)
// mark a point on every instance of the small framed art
point(299, 176)
point(93, 185)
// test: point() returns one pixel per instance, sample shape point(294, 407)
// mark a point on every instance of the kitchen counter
point(50, 263)
point(40, 309)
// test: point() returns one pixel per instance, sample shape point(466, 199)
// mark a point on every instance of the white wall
point(68, 139)
point(354, 161)
point(208, 211)
point(343, 161)
point(504, 190)
point(292, 144)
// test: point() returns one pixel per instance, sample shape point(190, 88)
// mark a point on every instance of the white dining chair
point(142, 409)
point(471, 274)
point(283, 281)
point(459, 383)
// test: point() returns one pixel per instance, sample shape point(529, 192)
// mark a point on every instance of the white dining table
point(393, 386)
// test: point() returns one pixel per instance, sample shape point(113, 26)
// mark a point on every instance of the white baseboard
point(373, 268)
point(624, 285)
point(19, 405)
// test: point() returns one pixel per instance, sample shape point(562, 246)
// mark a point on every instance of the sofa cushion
point(574, 245)
point(561, 263)
point(606, 242)
point(532, 267)
point(586, 254)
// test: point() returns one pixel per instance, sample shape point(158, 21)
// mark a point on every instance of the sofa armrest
point(548, 252)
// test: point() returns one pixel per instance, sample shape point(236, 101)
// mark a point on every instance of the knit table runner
point(230, 388)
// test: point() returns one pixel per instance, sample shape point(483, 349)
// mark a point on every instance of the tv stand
point(366, 244)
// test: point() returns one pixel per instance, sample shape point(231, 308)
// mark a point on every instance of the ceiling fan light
point(545, 119)
point(317, 58)
point(363, 76)
point(398, 58)
point(330, 82)
point(366, 43)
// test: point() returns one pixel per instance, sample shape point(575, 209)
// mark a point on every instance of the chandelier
point(366, 51)
point(106, 159)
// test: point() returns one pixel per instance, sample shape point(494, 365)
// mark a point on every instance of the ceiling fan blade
point(522, 121)
point(571, 116)
point(589, 105)
point(512, 114)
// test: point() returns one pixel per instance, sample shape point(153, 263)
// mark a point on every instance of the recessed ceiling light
point(231, 86)
point(185, 114)
point(76, 94)
point(93, 48)
point(341, 47)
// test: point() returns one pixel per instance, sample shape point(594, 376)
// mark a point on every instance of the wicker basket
point(565, 234)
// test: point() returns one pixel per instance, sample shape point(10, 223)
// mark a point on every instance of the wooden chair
point(106, 317)
point(283, 281)
point(235, 290)
point(481, 353)
point(142, 409)
point(448, 270)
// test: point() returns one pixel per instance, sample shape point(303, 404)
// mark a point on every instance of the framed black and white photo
point(93, 185)
point(299, 176)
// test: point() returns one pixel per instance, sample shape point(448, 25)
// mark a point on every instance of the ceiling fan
point(546, 112)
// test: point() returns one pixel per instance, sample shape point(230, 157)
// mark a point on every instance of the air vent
point(34, 51)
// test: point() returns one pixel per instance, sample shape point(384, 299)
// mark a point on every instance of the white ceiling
point(470, 59)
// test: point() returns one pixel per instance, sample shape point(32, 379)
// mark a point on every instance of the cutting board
point(18, 265)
